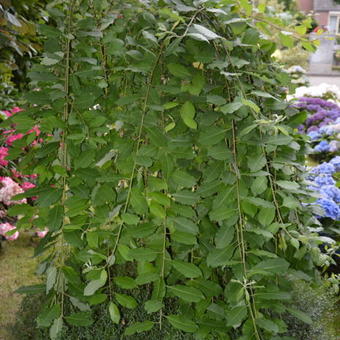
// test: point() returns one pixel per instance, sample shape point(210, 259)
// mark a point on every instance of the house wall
point(325, 5)
point(305, 5)
point(321, 18)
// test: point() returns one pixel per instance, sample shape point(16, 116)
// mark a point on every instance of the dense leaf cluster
point(167, 152)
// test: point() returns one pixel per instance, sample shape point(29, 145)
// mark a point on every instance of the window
point(334, 23)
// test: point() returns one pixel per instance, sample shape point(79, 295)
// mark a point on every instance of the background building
point(326, 59)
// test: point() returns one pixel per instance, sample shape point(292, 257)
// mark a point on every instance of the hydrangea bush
point(322, 126)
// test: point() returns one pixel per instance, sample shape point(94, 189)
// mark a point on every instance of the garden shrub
point(167, 153)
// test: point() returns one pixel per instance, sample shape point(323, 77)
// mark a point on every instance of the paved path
point(316, 80)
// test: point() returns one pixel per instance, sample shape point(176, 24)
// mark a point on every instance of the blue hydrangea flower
point(324, 169)
point(323, 180)
point(326, 130)
point(314, 135)
point(330, 208)
point(331, 192)
point(336, 163)
point(322, 147)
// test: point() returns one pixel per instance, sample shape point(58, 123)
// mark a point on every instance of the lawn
point(17, 268)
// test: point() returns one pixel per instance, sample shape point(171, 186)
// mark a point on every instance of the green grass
point(17, 268)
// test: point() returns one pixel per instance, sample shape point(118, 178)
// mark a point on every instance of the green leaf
point(56, 328)
point(207, 33)
point(224, 236)
point(114, 313)
point(259, 202)
point(187, 269)
point(80, 319)
point(183, 323)
point(50, 278)
point(256, 163)
point(94, 285)
point(138, 201)
point(153, 306)
point(30, 290)
point(160, 198)
point(142, 279)
point(157, 138)
point(216, 100)
point(270, 267)
point(259, 185)
point(48, 197)
point(218, 257)
point(184, 238)
point(126, 300)
point(291, 186)
point(300, 315)
point(183, 179)
point(125, 282)
point(185, 225)
point(143, 254)
point(186, 197)
point(236, 316)
point(268, 325)
point(47, 315)
point(139, 327)
point(220, 152)
point(130, 218)
point(157, 210)
point(189, 294)
point(178, 70)
point(231, 107)
point(188, 115)
point(211, 136)
point(251, 104)
point(55, 217)
point(273, 295)
point(266, 216)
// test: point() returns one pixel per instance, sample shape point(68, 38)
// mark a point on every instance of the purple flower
point(323, 146)
point(330, 208)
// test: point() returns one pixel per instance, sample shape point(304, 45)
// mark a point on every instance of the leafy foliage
point(166, 152)
point(18, 44)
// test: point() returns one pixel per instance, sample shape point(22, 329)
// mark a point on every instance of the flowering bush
point(322, 91)
point(14, 182)
point(322, 126)
point(324, 184)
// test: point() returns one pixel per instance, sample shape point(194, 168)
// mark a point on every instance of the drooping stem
point(240, 234)
point(139, 141)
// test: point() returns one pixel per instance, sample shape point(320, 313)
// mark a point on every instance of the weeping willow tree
point(170, 167)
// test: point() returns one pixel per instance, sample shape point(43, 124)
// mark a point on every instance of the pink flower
point(3, 154)
point(27, 185)
point(16, 174)
point(3, 213)
point(7, 113)
point(42, 233)
point(16, 109)
point(5, 228)
point(10, 189)
point(36, 130)
point(13, 138)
